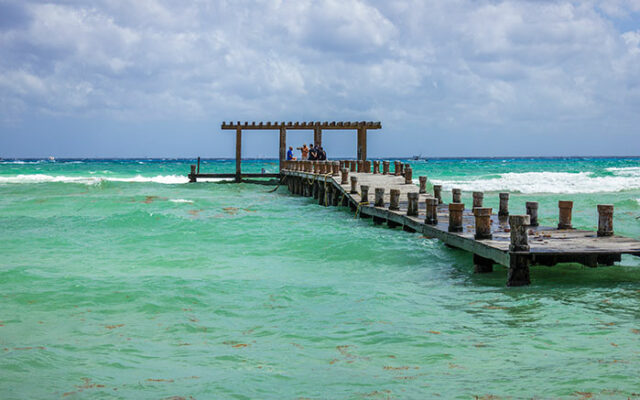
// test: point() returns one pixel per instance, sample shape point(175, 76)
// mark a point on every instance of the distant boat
point(52, 158)
point(416, 157)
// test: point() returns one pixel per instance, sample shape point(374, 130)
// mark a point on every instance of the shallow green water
point(119, 281)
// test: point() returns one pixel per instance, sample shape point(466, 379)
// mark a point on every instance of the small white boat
point(52, 158)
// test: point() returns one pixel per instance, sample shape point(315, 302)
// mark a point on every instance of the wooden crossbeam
point(333, 125)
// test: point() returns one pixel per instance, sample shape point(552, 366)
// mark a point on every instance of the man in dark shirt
point(322, 155)
point(313, 153)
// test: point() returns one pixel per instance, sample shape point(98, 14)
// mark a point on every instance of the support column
point(518, 274)
point(362, 143)
point(238, 154)
point(283, 146)
point(482, 265)
point(605, 220)
point(317, 136)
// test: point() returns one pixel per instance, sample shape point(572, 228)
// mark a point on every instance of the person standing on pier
point(313, 153)
point(290, 156)
point(322, 155)
point(305, 152)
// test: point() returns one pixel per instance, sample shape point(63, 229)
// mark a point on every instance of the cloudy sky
point(155, 78)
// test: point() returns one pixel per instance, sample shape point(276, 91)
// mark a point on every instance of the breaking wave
point(91, 180)
point(551, 182)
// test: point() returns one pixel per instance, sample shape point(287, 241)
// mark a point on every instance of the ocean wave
point(545, 182)
point(92, 180)
point(625, 171)
point(181, 201)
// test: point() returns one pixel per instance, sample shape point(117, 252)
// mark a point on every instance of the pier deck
point(547, 245)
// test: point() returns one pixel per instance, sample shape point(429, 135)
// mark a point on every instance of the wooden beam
point(283, 145)
point(362, 144)
point(301, 125)
point(317, 136)
point(238, 154)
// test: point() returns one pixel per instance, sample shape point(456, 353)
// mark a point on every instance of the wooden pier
point(389, 196)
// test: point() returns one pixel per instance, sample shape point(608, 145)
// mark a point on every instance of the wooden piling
point(354, 183)
point(456, 195)
point(483, 223)
point(532, 212)
point(431, 211)
point(482, 265)
point(564, 215)
point(518, 273)
point(385, 167)
point(504, 204)
point(336, 168)
point(192, 175)
point(394, 199)
point(437, 193)
point(352, 166)
point(238, 154)
point(478, 198)
point(379, 197)
point(364, 194)
point(455, 217)
point(412, 207)
point(408, 175)
point(360, 166)
point(397, 165)
point(423, 184)
point(605, 220)
point(345, 176)
point(198, 169)
point(376, 167)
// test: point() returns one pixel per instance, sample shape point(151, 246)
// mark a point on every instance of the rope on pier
point(364, 203)
point(278, 185)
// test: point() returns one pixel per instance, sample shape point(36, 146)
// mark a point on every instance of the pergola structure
point(317, 127)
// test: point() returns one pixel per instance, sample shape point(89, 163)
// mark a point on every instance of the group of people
point(312, 153)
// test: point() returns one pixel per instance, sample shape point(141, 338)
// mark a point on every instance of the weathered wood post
point(408, 175)
point(482, 265)
point(345, 176)
point(423, 184)
point(364, 194)
point(316, 167)
point(504, 204)
point(192, 175)
point(336, 168)
point(283, 147)
point(532, 212)
point(360, 166)
point(385, 167)
point(396, 167)
point(401, 168)
point(238, 154)
point(412, 207)
point(198, 169)
point(336, 196)
point(455, 217)
point(478, 197)
point(362, 143)
point(432, 211)
point(352, 166)
point(328, 195)
point(483, 223)
point(394, 199)
point(376, 167)
point(605, 220)
point(564, 220)
point(456, 195)
point(316, 189)
point(379, 199)
point(354, 184)
point(367, 166)
point(518, 274)
point(317, 136)
point(437, 193)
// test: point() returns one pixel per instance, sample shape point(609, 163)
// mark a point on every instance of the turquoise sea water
point(120, 280)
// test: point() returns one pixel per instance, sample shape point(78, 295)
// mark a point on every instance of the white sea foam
point(546, 182)
point(91, 180)
point(625, 171)
point(181, 201)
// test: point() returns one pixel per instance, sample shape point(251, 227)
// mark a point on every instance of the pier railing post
point(412, 207)
point(483, 223)
point(456, 195)
point(354, 185)
point(605, 220)
point(504, 204)
point(394, 199)
point(478, 198)
point(564, 215)
point(379, 199)
point(376, 167)
point(345, 176)
point(360, 166)
point(385, 167)
point(367, 166)
point(336, 168)
point(423, 184)
point(364, 194)
point(437, 193)
point(532, 212)
point(455, 217)
point(518, 274)
point(431, 211)
point(408, 175)
point(397, 165)
point(352, 166)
